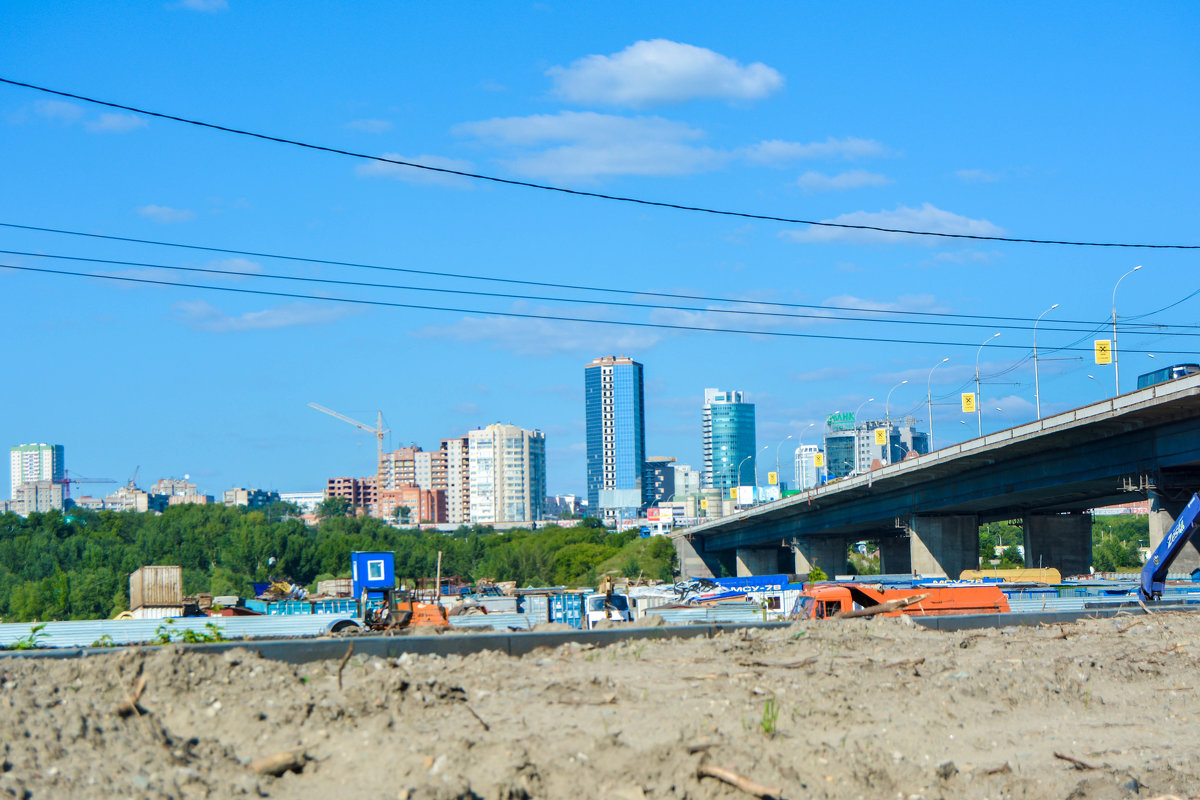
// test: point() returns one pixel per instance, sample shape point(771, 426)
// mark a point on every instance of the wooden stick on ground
point(1074, 762)
point(882, 608)
point(740, 781)
point(130, 704)
point(342, 665)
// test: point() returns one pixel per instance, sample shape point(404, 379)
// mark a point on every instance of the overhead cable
point(548, 284)
point(579, 192)
point(518, 315)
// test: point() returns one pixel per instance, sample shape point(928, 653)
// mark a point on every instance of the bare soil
point(848, 709)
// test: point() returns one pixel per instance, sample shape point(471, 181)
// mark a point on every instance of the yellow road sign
point(881, 436)
point(1103, 351)
point(818, 460)
point(968, 402)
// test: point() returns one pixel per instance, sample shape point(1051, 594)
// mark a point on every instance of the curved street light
point(1037, 391)
point(1116, 369)
point(1103, 391)
point(799, 449)
point(856, 448)
point(929, 399)
point(781, 441)
point(887, 414)
point(978, 401)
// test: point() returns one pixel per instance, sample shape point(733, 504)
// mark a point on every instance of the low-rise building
point(253, 498)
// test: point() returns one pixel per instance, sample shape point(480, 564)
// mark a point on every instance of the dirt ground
point(849, 709)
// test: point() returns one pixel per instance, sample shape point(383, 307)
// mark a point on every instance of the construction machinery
point(381, 606)
point(824, 600)
point(1154, 574)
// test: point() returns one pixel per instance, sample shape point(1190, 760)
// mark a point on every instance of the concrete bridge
point(925, 512)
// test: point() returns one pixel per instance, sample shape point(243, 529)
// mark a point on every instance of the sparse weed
point(770, 716)
point(30, 642)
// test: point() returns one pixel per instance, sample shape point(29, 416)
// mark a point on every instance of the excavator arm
point(1154, 574)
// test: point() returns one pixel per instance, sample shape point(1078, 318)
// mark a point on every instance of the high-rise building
point(508, 474)
point(808, 474)
point(851, 447)
point(729, 443)
point(456, 454)
point(36, 462)
point(614, 411)
point(660, 474)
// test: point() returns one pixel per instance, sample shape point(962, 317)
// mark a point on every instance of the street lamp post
point(1037, 390)
point(929, 398)
point(1116, 369)
point(781, 441)
point(978, 410)
point(800, 449)
point(856, 447)
point(887, 414)
point(1103, 391)
point(765, 448)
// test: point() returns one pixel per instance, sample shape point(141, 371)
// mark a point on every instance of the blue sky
point(1028, 120)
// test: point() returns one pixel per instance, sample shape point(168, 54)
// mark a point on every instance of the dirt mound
point(855, 708)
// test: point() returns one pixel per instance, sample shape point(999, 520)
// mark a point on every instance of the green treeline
point(76, 565)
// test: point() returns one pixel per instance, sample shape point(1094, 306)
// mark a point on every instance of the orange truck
point(824, 600)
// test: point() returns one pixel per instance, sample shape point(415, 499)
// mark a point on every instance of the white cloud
point(586, 145)
point(115, 123)
point(206, 317)
point(204, 5)
point(662, 71)
point(370, 125)
point(540, 337)
point(854, 179)
point(976, 176)
point(926, 218)
point(58, 110)
point(165, 214)
point(383, 169)
point(734, 316)
point(776, 152)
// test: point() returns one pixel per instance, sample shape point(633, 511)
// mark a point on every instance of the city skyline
point(424, 263)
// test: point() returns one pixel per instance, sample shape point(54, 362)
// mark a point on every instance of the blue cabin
point(371, 572)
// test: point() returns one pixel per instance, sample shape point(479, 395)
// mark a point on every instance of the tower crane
point(66, 481)
point(378, 430)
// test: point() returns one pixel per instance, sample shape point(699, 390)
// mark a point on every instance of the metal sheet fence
point(108, 632)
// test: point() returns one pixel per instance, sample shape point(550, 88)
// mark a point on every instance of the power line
point(511, 296)
point(518, 315)
point(578, 192)
point(545, 284)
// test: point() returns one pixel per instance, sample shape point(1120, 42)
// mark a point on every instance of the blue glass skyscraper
point(729, 441)
point(616, 437)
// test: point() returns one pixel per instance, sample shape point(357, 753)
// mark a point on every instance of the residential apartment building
point(254, 498)
point(456, 454)
point(412, 505)
point(361, 492)
point(614, 412)
point(36, 462)
point(507, 474)
point(38, 496)
point(729, 440)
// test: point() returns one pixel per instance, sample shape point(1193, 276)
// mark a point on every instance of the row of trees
point(77, 565)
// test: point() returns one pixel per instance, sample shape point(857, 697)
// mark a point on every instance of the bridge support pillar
point(1062, 541)
point(694, 562)
point(943, 546)
point(1163, 513)
point(895, 555)
point(759, 561)
point(826, 552)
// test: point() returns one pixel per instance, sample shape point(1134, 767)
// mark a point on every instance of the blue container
point(371, 571)
point(567, 609)
point(259, 588)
